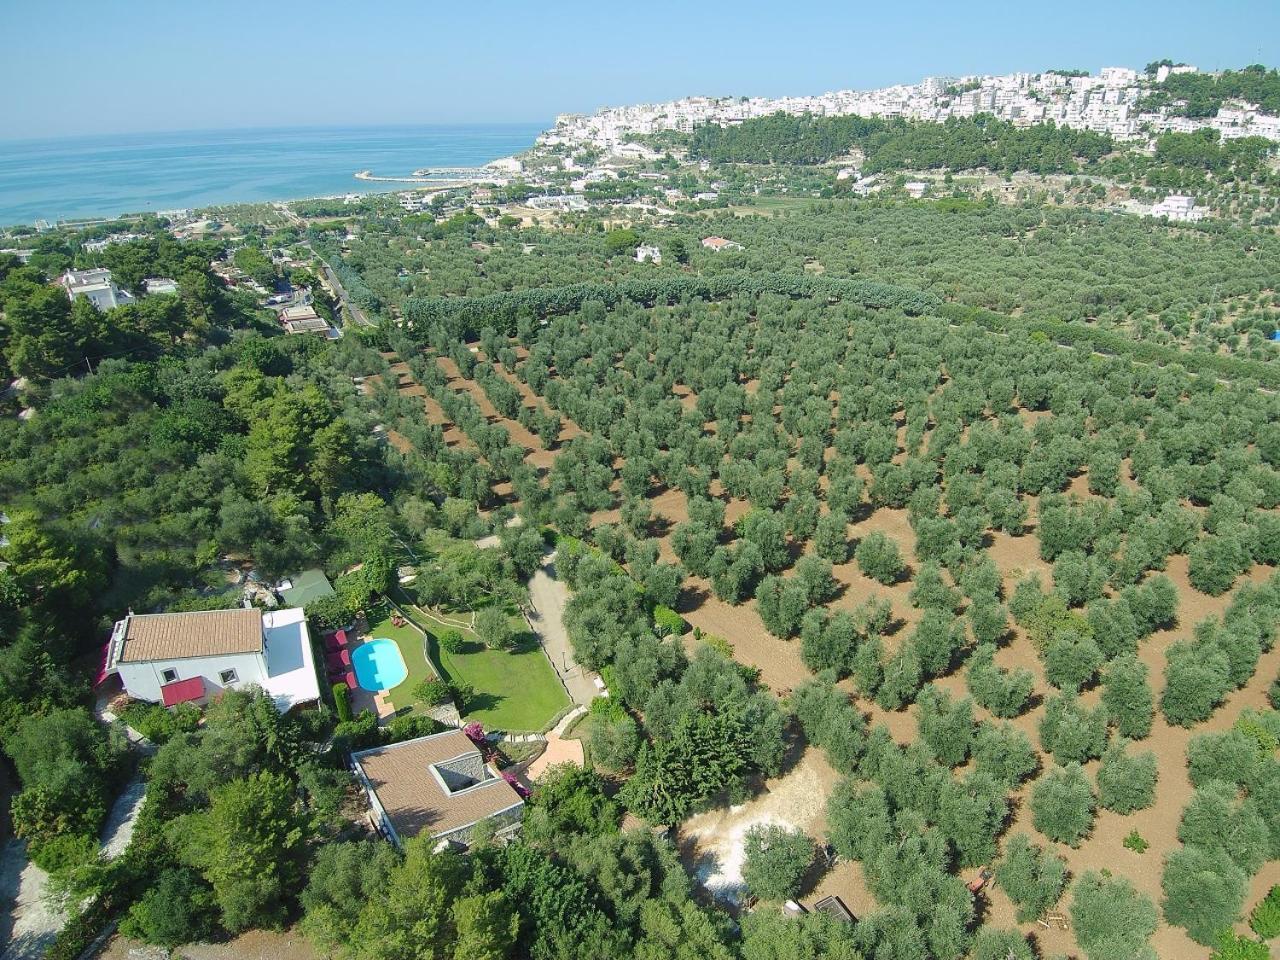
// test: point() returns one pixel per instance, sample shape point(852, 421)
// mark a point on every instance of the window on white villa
point(228, 676)
point(169, 676)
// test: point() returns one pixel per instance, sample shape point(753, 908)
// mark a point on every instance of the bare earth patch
point(712, 844)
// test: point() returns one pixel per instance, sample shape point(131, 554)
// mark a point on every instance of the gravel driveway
point(548, 596)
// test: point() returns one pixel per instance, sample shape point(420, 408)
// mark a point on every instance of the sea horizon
point(96, 176)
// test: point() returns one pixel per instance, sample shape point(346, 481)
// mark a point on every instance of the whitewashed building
point(161, 285)
point(1178, 207)
point(648, 253)
point(95, 285)
point(173, 658)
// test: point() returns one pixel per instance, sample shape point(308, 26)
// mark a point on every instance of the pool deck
point(377, 702)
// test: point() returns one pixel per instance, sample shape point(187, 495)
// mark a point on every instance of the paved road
point(547, 597)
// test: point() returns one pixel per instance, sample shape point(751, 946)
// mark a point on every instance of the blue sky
point(71, 67)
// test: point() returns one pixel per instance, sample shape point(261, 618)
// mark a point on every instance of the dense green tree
point(1062, 804)
point(878, 558)
point(1127, 696)
point(1071, 661)
point(1004, 752)
point(946, 727)
point(1112, 920)
point(1126, 782)
point(1203, 892)
point(1197, 677)
point(1032, 877)
point(776, 861)
point(251, 847)
point(177, 908)
point(1217, 823)
point(1072, 732)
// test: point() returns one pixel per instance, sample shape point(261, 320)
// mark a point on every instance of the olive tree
point(879, 559)
point(1126, 782)
point(776, 861)
point(1112, 920)
point(1062, 804)
point(1032, 877)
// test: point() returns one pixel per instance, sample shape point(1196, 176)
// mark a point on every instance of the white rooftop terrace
point(291, 669)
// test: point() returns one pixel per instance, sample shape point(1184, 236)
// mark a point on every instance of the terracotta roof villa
point(438, 785)
point(168, 636)
point(174, 658)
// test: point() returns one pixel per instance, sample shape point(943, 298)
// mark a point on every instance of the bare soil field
point(255, 945)
point(711, 842)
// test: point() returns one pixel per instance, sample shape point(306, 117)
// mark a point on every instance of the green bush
point(410, 726)
point(1232, 946)
point(431, 691)
point(177, 908)
point(668, 622)
point(1133, 841)
point(342, 702)
point(329, 613)
point(1265, 918)
point(158, 723)
point(452, 641)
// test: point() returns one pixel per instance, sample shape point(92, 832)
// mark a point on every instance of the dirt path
point(118, 830)
point(30, 923)
point(547, 598)
point(255, 945)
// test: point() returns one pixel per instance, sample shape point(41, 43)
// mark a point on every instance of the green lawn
point(513, 689)
point(412, 647)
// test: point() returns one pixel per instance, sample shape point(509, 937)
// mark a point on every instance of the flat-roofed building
point(96, 286)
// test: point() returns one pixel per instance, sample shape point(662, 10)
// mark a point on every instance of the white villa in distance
point(648, 253)
point(174, 658)
point(97, 286)
point(1176, 206)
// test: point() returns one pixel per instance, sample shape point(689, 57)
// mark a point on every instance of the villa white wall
point(144, 680)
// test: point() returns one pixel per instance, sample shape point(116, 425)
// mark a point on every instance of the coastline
point(104, 178)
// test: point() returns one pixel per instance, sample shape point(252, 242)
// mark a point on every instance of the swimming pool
point(378, 664)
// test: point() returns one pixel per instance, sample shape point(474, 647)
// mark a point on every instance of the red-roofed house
point(716, 244)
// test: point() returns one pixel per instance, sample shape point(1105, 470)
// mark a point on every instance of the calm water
point(111, 175)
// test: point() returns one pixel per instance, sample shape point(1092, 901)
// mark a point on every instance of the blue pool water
point(378, 665)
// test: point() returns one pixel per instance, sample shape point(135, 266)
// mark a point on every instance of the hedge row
point(466, 316)
point(1107, 341)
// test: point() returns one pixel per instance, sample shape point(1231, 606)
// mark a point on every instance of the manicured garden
point(410, 641)
point(512, 689)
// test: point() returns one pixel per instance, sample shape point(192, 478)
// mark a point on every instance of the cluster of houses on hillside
point(1109, 102)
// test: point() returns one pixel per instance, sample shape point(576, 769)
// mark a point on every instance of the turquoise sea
point(105, 176)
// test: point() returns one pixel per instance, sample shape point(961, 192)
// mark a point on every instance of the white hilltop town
point(1109, 102)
